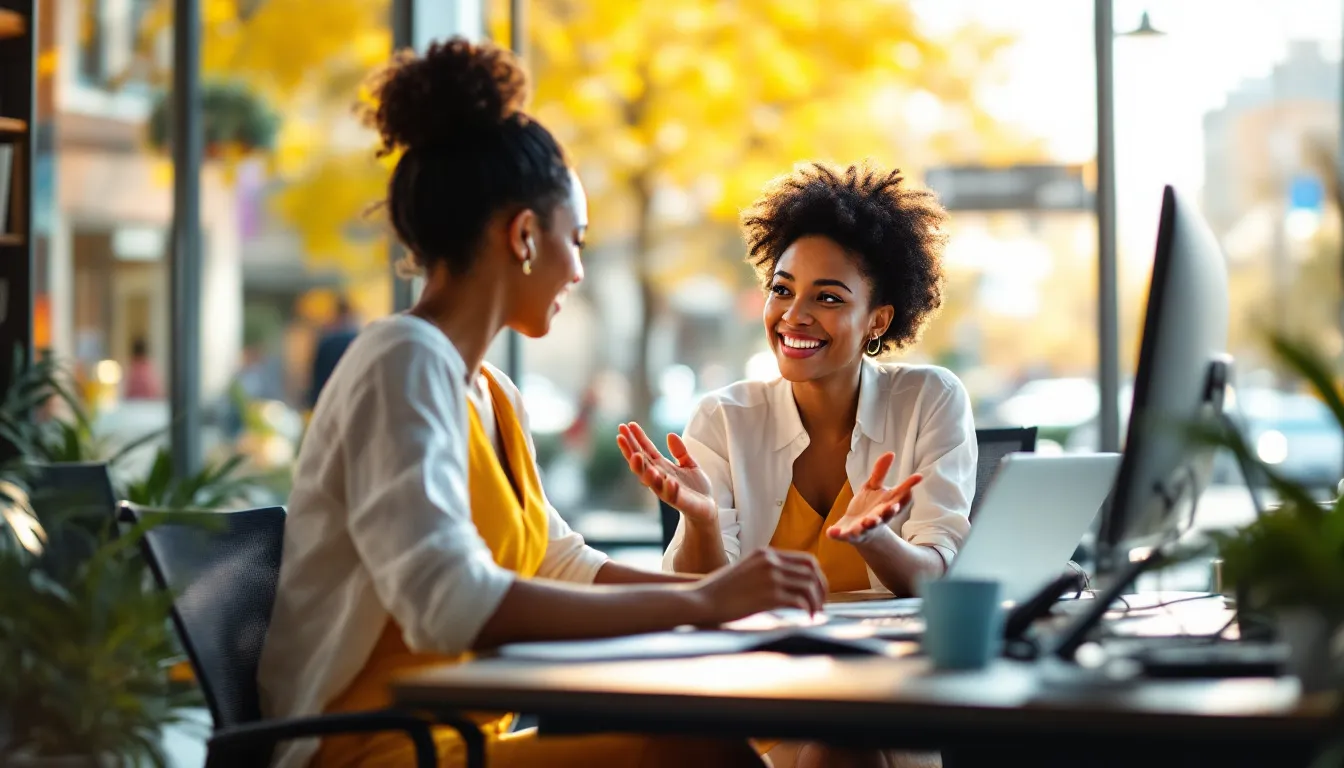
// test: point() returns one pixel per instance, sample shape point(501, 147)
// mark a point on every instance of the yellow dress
point(513, 522)
point(803, 529)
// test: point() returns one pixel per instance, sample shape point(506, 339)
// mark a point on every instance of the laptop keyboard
point(895, 627)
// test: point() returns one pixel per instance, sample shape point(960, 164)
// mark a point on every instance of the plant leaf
point(1311, 365)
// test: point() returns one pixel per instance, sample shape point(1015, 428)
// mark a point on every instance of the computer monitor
point(1182, 375)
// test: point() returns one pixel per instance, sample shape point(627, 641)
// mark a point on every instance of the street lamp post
point(184, 267)
point(1108, 280)
point(513, 359)
point(1108, 301)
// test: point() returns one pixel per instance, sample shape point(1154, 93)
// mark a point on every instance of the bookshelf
point(12, 24)
point(18, 56)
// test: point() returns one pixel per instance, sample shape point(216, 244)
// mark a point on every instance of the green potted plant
point(65, 434)
point(1288, 564)
point(90, 671)
point(83, 651)
point(45, 422)
point(218, 485)
point(20, 530)
point(237, 122)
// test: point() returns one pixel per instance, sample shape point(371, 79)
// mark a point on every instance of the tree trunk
point(641, 378)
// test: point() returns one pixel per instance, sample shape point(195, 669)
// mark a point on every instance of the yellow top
point(513, 523)
point(803, 529)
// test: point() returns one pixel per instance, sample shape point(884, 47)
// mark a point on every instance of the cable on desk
point(1186, 599)
point(1094, 593)
point(1212, 637)
point(1084, 579)
point(1219, 634)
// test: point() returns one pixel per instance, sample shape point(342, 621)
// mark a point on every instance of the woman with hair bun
point(418, 531)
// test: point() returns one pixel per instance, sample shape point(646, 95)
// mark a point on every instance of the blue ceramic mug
point(963, 622)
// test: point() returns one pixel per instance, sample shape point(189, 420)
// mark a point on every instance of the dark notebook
point(826, 640)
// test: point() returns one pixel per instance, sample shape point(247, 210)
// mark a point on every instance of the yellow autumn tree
point(677, 112)
point(305, 59)
point(308, 59)
point(692, 105)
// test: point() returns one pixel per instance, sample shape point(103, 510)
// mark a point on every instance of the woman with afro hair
point(869, 466)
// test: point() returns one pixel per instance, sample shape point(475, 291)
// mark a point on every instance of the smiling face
point(818, 314)
point(555, 262)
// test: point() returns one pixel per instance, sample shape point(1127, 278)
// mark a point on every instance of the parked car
point(1293, 432)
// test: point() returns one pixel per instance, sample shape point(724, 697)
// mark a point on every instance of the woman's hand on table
point(765, 580)
point(874, 504)
point(680, 483)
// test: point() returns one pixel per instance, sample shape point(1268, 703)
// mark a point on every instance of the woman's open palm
point(680, 483)
point(874, 504)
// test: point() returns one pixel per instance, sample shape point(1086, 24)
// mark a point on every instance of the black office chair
point(222, 569)
point(80, 497)
point(993, 445)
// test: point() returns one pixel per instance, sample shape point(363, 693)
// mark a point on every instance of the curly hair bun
point(456, 89)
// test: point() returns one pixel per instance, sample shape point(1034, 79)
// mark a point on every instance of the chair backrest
point(83, 483)
point(81, 496)
point(993, 445)
point(222, 569)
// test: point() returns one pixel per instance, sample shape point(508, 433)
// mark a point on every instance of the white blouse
point(747, 436)
point(379, 524)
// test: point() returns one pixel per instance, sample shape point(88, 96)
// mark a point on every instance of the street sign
point(1012, 188)
point(1305, 192)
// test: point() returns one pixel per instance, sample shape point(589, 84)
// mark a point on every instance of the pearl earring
point(527, 260)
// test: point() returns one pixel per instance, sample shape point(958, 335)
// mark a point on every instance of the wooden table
point(1043, 713)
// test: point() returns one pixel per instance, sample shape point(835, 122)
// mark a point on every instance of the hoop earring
point(874, 347)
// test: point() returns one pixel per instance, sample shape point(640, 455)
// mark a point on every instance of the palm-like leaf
point(1232, 440)
point(85, 646)
point(1292, 555)
point(1310, 364)
point(18, 515)
point(215, 486)
point(83, 656)
point(66, 437)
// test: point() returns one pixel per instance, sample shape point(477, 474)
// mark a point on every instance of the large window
point(1242, 112)
point(677, 117)
point(102, 211)
point(287, 176)
point(311, 264)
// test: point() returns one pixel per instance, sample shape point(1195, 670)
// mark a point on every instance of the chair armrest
point(268, 733)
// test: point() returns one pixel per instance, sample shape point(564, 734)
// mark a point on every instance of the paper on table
point(784, 618)
point(901, 606)
point(658, 645)
point(828, 640)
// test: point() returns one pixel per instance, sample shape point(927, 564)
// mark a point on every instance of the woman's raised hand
point(680, 483)
point(874, 504)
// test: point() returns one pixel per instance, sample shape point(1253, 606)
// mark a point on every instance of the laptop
point(1035, 512)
